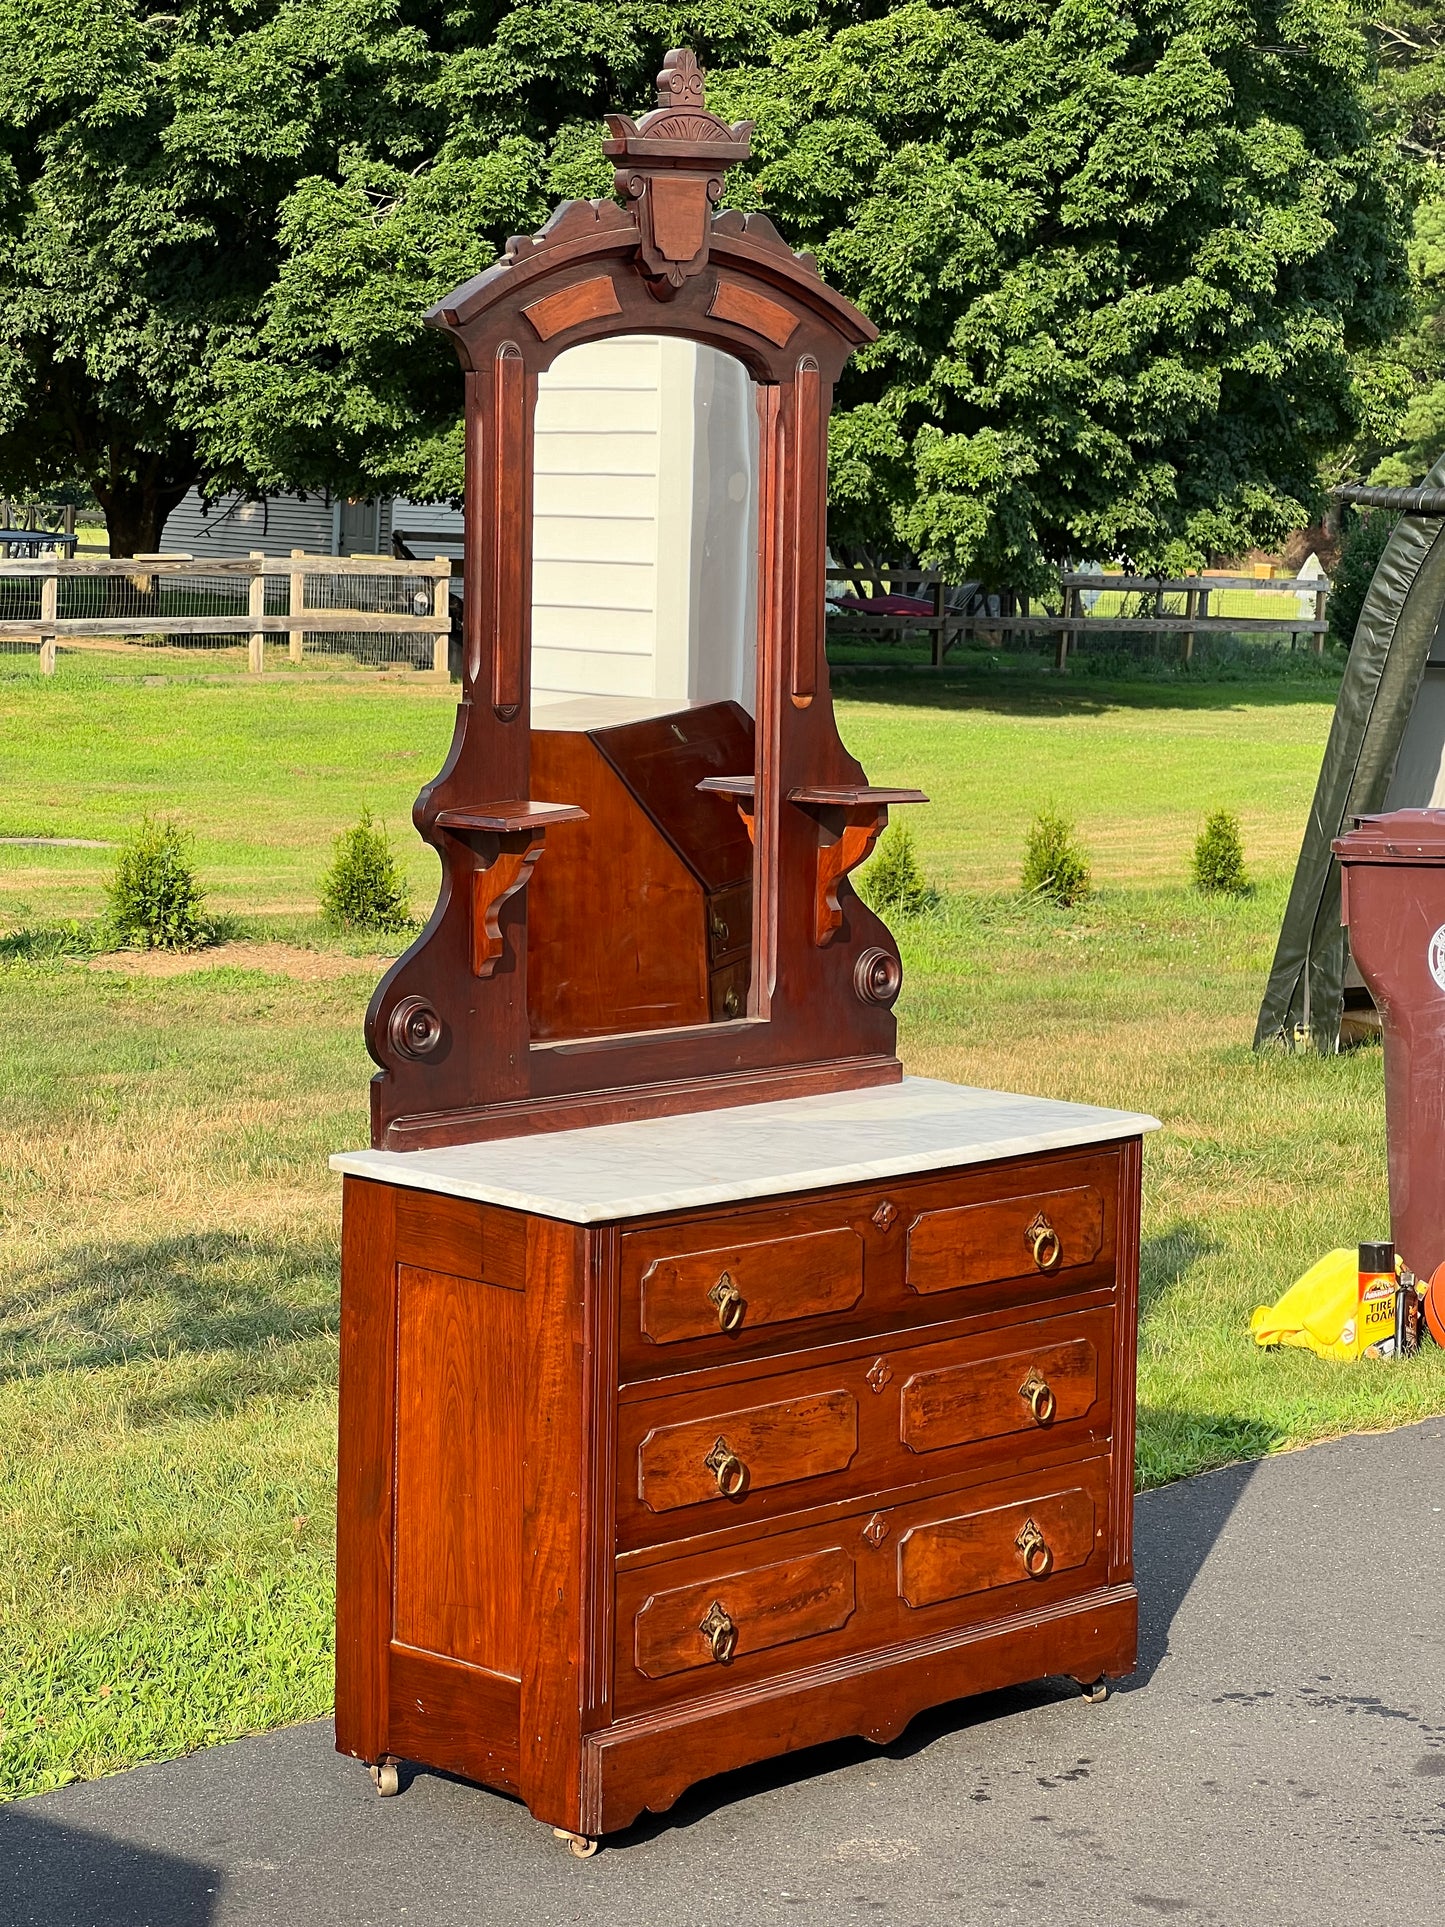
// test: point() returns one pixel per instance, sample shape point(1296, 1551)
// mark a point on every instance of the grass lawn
point(168, 1228)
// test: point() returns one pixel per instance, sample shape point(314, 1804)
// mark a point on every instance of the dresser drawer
point(994, 1240)
point(875, 1577)
point(1036, 1233)
point(759, 1281)
point(873, 1419)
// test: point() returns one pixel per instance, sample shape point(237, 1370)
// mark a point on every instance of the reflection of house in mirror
point(645, 567)
point(644, 580)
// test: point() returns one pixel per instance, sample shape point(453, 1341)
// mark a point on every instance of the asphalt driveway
point(1278, 1759)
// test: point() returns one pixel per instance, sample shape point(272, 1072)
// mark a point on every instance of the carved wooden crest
point(670, 169)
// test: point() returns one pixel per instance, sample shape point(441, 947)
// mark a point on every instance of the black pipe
point(1406, 501)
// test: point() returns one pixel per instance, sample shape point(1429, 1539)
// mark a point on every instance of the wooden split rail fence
point(131, 595)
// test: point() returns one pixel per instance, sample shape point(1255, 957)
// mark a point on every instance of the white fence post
point(296, 602)
point(442, 606)
point(49, 602)
point(256, 606)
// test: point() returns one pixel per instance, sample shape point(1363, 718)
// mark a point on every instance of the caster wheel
point(385, 1778)
point(578, 1845)
point(1094, 1691)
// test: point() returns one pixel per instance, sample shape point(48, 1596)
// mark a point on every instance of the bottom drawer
point(695, 1624)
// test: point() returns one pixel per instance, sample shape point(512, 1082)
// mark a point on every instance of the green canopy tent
point(1386, 750)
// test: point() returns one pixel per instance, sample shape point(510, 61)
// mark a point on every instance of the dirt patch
point(276, 959)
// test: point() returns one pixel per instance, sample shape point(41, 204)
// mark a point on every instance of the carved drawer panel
point(989, 1398)
point(880, 1416)
point(859, 1579)
point(1003, 1545)
point(747, 1450)
point(737, 1286)
point(1037, 1234)
point(688, 1627)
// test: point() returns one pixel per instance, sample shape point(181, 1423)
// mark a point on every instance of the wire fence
point(373, 611)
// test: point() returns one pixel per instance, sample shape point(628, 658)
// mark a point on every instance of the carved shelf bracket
point(519, 831)
point(850, 821)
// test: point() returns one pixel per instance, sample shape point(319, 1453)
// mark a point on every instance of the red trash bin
point(1393, 903)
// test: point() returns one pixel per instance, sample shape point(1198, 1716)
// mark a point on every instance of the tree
point(1120, 254)
point(1404, 429)
point(143, 158)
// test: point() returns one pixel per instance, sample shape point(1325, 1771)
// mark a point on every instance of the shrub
point(155, 902)
point(364, 888)
point(1054, 864)
point(894, 880)
point(1219, 856)
point(1364, 542)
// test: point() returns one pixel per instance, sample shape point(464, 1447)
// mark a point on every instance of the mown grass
point(168, 1227)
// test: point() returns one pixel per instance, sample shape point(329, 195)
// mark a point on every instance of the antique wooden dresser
point(708, 1388)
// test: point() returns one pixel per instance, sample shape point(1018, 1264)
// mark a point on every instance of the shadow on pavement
point(58, 1876)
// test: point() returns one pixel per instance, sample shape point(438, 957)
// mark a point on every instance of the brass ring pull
point(720, 1632)
point(1045, 1243)
point(1037, 1555)
point(731, 1305)
point(1038, 1395)
point(727, 1468)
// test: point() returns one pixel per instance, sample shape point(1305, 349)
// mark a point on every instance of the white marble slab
point(612, 1171)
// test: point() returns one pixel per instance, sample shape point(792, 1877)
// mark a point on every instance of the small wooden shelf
point(858, 795)
point(729, 785)
point(501, 818)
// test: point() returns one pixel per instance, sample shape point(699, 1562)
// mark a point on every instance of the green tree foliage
point(1365, 536)
point(364, 889)
point(893, 883)
point(1218, 863)
point(1054, 864)
point(1403, 382)
point(1120, 253)
point(154, 901)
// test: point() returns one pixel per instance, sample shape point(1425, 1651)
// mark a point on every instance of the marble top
point(612, 1171)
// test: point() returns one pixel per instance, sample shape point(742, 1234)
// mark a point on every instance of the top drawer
point(744, 1283)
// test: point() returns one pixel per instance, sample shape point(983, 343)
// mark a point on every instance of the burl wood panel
point(977, 1244)
point(754, 312)
point(584, 301)
point(978, 1551)
point(988, 1398)
point(769, 1282)
point(616, 921)
point(750, 1449)
point(459, 1398)
point(766, 1607)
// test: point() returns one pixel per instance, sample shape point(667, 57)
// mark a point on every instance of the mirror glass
point(644, 654)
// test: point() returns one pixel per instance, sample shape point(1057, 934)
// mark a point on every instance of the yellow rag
point(1319, 1311)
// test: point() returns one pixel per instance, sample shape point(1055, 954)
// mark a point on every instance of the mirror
point(644, 653)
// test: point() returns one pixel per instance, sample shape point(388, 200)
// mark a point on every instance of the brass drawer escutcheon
point(1045, 1243)
point(727, 1468)
point(731, 1305)
point(1038, 1395)
point(1037, 1557)
point(720, 1632)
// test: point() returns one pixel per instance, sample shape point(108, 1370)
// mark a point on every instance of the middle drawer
point(882, 1418)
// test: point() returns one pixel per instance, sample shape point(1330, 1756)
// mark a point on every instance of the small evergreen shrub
point(1219, 856)
point(154, 899)
point(364, 888)
point(894, 883)
point(1054, 864)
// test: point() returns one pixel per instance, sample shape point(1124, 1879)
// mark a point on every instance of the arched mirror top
point(661, 260)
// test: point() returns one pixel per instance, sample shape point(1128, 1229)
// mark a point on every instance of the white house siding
point(644, 500)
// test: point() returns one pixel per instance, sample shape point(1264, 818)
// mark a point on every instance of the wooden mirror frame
point(448, 1024)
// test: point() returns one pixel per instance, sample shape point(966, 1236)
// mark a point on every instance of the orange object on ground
point(1434, 1305)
